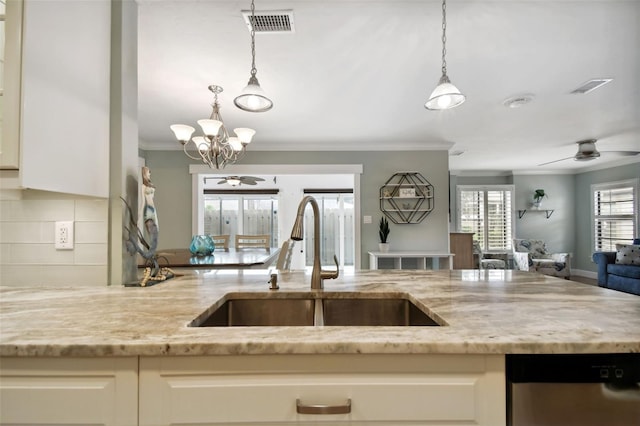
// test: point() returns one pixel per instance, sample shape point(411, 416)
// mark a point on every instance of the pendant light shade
point(444, 96)
point(253, 98)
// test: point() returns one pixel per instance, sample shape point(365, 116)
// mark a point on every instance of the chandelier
point(445, 95)
point(215, 148)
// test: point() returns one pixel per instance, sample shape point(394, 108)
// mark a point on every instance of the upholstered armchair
point(488, 260)
point(532, 255)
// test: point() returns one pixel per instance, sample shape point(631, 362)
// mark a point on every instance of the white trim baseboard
point(584, 273)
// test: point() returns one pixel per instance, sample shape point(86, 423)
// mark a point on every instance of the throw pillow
point(628, 254)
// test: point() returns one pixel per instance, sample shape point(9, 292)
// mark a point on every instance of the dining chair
point(284, 258)
point(252, 241)
point(221, 241)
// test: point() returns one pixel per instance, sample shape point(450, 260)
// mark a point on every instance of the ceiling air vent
point(591, 85)
point(270, 21)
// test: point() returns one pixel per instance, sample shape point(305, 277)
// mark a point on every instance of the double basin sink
point(315, 309)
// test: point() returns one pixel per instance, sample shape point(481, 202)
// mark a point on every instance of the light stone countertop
point(487, 312)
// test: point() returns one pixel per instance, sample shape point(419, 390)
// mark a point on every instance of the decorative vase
point(202, 245)
point(383, 247)
point(537, 204)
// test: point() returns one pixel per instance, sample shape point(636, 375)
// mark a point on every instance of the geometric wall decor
point(407, 197)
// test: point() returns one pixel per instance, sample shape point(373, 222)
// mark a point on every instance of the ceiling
point(354, 75)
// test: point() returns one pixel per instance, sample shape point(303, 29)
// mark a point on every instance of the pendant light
point(445, 95)
point(253, 98)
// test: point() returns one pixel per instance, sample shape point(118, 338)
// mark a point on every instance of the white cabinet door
point(388, 390)
point(10, 108)
point(69, 391)
point(66, 59)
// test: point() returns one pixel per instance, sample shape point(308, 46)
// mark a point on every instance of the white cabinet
point(385, 389)
point(69, 391)
point(62, 120)
point(10, 98)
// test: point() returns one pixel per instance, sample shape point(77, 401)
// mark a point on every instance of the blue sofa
point(617, 277)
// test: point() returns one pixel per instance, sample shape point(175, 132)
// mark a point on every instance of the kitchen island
point(141, 341)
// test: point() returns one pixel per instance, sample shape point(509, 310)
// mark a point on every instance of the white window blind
point(488, 213)
point(615, 214)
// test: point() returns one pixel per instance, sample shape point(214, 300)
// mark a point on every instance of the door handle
point(323, 409)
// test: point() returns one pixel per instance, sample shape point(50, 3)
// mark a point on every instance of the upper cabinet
point(10, 73)
point(63, 117)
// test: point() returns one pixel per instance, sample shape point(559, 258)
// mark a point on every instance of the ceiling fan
point(239, 180)
point(587, 151)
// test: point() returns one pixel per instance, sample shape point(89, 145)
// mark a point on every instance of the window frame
point(635, 216)
point(485, 189)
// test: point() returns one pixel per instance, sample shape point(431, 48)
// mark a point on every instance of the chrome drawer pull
point(323, 409)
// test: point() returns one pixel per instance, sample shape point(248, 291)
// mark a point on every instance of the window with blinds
point(615, 213)
point(488, 213)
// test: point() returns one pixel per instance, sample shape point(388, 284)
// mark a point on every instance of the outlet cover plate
point(64, 235)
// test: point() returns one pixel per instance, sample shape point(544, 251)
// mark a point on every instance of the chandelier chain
point(253, 39)
point(444, 36)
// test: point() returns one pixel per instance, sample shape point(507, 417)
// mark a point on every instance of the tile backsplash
point(27, 252)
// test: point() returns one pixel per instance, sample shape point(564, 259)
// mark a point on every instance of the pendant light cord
point(444, 36)
point(253, 39)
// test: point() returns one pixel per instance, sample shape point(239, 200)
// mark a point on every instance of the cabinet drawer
point(209, 399)
point(199, 397)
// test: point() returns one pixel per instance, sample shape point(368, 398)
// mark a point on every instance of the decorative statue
point(146, 242)
point(149, 215)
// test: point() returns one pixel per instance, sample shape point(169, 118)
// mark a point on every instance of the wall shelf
point(407, 197)
point(548, 213)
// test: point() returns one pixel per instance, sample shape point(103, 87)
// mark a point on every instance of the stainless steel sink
point(260, 312)
point(305, 309)
point(361, 311)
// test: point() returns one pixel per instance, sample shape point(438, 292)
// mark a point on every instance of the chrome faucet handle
point(331, 275)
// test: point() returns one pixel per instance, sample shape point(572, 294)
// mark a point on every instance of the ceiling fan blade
point(249, 182)
point(555, 161)
point(624, 153)
point(220, 182)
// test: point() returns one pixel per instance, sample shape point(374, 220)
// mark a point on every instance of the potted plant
point(538, 195)
point(383, 233)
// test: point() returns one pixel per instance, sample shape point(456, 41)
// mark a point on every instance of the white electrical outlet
point(64, 235)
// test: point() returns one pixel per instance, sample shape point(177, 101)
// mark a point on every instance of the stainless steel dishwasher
point(580, 390)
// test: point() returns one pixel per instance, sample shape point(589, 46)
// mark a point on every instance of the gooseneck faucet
point(317, 274)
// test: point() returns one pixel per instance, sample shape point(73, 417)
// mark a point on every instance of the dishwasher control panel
point(573, 368)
